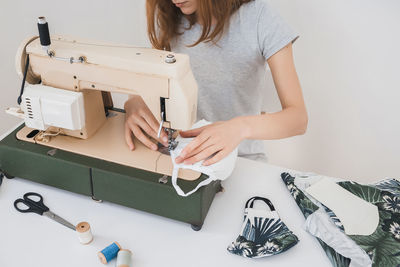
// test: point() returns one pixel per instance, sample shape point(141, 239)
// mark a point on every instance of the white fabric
point(217, 171)
point(320, 225)
point(358, 216)
point(305, 180)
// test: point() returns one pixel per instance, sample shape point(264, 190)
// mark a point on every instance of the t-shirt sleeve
point(273, 32)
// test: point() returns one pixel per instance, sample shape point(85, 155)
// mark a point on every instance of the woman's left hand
point(216, 140)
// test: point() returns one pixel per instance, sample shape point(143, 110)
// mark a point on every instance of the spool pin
point(124, 258)
point(109, 253)
point(44, 34)
point(84, 233)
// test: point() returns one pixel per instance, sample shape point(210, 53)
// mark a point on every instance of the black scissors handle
point(33, 206)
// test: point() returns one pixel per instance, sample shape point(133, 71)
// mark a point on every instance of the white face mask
point(217, 171)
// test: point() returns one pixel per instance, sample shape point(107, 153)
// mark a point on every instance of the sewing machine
point(73, 137)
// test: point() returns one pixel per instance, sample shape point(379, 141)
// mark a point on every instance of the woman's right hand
point(140, 120)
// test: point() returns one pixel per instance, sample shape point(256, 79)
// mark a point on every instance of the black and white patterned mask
point(263, 233)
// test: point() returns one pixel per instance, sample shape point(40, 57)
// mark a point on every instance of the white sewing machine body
point(69, 99)
point(115, 68)
point(67, 90)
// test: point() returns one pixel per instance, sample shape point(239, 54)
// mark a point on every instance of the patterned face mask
point(263, 233)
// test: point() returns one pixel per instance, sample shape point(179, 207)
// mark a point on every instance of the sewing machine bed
point(105, 180)
point(108, 143)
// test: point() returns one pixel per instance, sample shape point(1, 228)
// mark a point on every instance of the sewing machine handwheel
point(196, 227)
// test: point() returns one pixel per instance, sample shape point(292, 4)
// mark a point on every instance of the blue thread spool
point(109, 253)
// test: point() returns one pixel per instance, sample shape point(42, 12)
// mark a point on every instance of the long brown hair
point(163, 19)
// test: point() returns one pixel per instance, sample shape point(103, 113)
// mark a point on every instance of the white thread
point(124, 258)
point(84, 233)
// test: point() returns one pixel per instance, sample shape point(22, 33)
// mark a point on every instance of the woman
point(229, 42)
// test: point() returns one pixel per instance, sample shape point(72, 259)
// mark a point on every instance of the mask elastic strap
point(250, 202)
point(180, 192)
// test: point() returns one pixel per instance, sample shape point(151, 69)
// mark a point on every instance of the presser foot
point(172, 143)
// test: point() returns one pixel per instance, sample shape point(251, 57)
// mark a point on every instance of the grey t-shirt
point(231, 73)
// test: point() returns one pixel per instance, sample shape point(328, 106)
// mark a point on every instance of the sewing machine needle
point(161, 125)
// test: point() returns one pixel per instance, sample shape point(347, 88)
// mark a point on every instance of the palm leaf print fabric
point(307, 207)
point(263, 234)
point(383, 246)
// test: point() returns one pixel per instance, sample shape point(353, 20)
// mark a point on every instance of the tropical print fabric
point(263, 234)
point(307, 207)
point(383, 246)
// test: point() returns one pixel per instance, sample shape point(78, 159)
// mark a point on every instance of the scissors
point(38, 207)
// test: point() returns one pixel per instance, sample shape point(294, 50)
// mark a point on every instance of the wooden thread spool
point(84, 233)
point(109, 253)
point(124, 258)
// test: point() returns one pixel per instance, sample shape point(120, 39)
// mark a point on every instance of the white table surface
point(32, 240)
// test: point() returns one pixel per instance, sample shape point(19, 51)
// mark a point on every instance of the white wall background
point(347, 58)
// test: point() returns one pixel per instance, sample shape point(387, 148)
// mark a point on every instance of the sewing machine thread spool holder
point(44, 34)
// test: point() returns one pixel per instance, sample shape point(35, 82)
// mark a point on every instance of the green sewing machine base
point(103, 180)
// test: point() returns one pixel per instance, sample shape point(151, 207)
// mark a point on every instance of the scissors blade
point(58, 219)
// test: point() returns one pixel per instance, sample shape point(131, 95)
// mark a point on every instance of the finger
point(198, 149)
point(143, 124)
point(192, 132)
point(129, 137)
point(142, 137)
point(202, 155)
point(154, 124)
point(147, 128)
point(191, 146)
point(217, 157)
